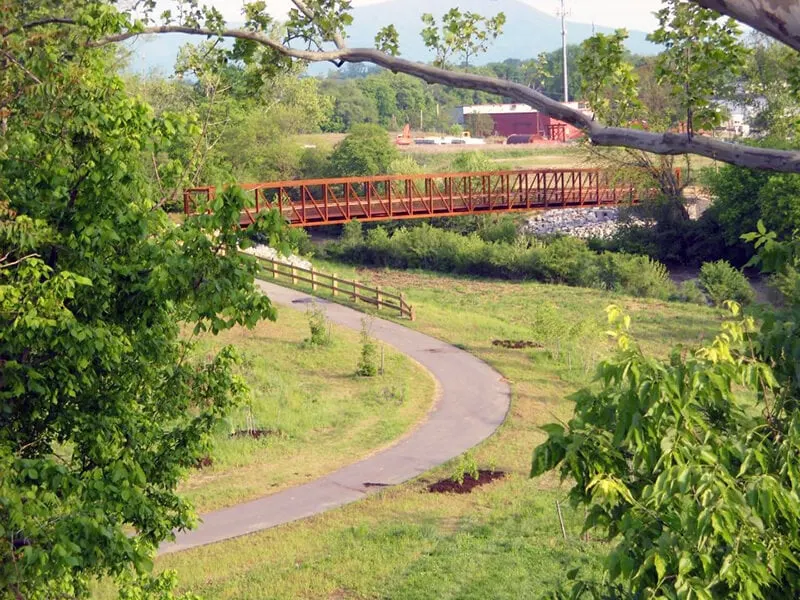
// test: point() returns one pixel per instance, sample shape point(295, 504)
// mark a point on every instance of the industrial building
point(521, 119)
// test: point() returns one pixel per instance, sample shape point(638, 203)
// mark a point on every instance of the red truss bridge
point(312, 202)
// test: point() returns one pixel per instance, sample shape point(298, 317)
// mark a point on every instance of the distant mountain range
point(527, 32)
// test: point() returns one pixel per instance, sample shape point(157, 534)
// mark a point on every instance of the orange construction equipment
point(330, 201)
point(404, 139)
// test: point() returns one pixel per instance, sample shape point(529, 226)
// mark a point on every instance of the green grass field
point(503, 540)
point(319, 414)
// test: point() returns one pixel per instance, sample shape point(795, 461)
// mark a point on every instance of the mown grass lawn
point(503, 540)
point(319, 415)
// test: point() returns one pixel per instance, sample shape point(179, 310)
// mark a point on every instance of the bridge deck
point(307, 203)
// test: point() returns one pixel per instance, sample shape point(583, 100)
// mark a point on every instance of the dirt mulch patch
point(256, 434)
point(448, 486)
point(517, 344)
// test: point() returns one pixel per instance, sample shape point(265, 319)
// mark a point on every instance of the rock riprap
point(271, 254)
point(578, 222)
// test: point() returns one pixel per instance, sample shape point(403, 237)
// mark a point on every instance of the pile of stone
point(601, 222)
point(271, 254)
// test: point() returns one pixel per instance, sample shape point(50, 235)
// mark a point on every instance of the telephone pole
point(563, 13)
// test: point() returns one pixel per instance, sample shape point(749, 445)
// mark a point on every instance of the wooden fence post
point(334, 285)
point(313, 280)
point(355, 287)
point(294, 275)
point(274, 269)
point(378, 298)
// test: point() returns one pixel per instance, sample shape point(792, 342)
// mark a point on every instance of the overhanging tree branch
point(779, 19)
point(657, 143)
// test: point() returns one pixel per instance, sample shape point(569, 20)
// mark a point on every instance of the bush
point(367, 150)
point(690, 292)
point(636, 275)
point(558, 260)
point(319, 326)
point(567, 260)
point(465, 162)
point(315, 163)
point(723, 282)
point(674, 239)
point(368, 360)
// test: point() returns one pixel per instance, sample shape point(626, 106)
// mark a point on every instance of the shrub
point(466, 465)
point(315, 163)
point(352, 233)
point(368, 360)
point(567, 260)
point(636, 275)
point(723, 282)
point(465, 162)
point(297, 239)
point(367, 150)
point(497, 228)
point(558, 260)
point(319, 326)
point(690, 292)
point(672, 238)
point(404, 165)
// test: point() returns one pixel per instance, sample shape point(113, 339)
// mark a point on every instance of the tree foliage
point(702, 54)
point(102, 410)
point(693, 481)
point(463, 35)
point(367, 150)
point(609, 82)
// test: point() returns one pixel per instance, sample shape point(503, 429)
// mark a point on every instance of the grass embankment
point(436, 159)
point(501, 541)
point(317, 414)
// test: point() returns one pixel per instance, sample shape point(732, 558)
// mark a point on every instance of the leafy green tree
point(768, 87)
point(464, 35)
point(367, 150)
point(102, 408)
point(536, 72)
point(691, 481)
point(554, 86)
point(701, 54)
point(351, 106)
point(610, 84)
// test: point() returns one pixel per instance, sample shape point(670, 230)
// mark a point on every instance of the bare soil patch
point(516, 344)
point(448, 486)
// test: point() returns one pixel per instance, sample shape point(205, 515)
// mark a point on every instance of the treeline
point(364, 94)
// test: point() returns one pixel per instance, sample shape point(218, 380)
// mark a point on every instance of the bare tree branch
point(779, 19)
point(21, 66)
point(38, 23)
point(6, 265)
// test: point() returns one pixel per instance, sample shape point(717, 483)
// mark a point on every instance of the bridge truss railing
point(328, 201)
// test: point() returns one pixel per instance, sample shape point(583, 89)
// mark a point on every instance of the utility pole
point(563, 12)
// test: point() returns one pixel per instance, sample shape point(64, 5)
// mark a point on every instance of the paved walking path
point(473, 403)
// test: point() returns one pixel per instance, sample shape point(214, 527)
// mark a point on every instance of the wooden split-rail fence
point(283, 272)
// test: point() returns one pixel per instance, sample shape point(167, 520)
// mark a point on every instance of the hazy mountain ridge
point(527, 32)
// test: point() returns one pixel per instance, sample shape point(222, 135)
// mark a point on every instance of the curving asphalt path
point(473, 403)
